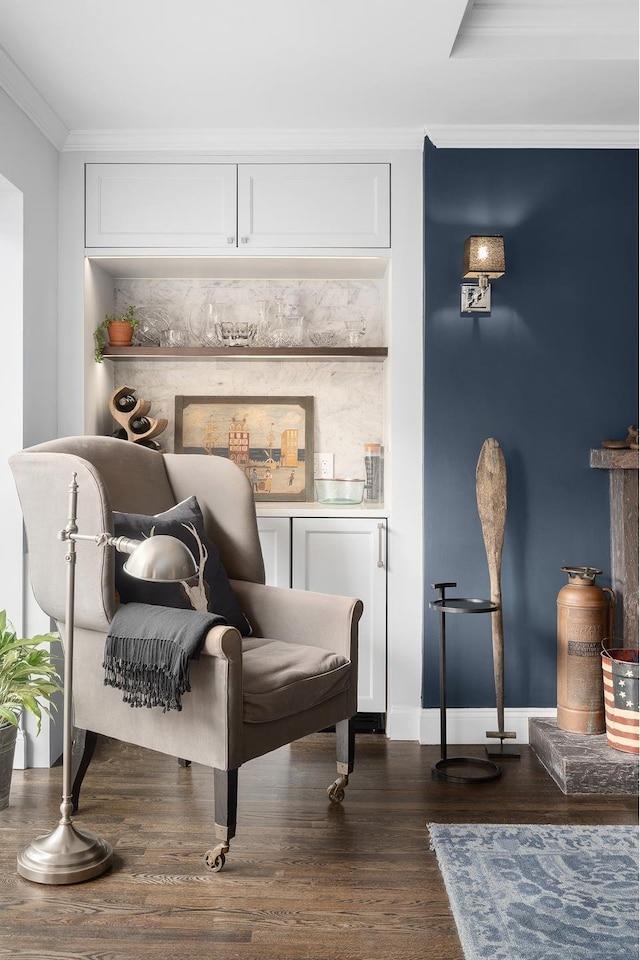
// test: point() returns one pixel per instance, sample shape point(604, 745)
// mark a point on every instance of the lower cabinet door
point(347, 557)
point(275, 540)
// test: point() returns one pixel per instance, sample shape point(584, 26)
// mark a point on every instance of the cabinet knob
point(244, 239)
point(231, 239)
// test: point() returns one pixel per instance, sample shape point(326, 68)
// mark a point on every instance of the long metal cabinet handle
point(380, 545)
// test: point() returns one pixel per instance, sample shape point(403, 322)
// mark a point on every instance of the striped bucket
point(620, 670)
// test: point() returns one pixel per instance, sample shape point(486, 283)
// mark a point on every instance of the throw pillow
point(209, 591)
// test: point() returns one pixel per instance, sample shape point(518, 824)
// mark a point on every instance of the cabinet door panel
point(341, 556)
point(275, 540)
point(313, 204)
point(160, 205)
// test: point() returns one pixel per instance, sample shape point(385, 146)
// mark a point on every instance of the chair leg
point(84, 743)
point(345, 756)
point(225, 797)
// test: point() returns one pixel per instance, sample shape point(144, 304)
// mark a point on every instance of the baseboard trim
point(403, 723)
point(20, 755)
point(470, 725)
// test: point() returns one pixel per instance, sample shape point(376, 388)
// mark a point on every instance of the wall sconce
point(483, 259)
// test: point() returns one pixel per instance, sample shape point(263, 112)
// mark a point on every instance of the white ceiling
point(93, 73)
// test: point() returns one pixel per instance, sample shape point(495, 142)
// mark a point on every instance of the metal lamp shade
point(162, 559)
point(483, 256)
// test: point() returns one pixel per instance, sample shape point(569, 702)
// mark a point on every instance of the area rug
point(524, 892)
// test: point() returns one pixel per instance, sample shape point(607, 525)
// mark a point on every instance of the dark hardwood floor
point(304, 879)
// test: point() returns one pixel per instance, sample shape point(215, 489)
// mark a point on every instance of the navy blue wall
point(550, 374)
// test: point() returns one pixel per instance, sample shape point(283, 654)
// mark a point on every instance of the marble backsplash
point(348, 397)
point(325, 305)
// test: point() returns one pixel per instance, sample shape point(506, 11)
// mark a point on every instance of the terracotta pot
point(120, 333)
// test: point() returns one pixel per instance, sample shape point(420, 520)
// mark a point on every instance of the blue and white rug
point(529, 892)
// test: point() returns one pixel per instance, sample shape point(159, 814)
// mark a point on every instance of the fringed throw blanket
point(148, 650)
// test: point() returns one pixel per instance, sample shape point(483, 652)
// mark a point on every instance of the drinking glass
point(355, 330)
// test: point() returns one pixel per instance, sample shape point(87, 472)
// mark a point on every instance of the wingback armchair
point(294, 675)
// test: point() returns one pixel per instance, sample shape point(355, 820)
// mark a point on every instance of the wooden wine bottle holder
point(141, 409)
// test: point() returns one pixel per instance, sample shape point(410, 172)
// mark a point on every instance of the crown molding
point(25, 95)
point(245, 140)
point(541, 29)
point(579, 136)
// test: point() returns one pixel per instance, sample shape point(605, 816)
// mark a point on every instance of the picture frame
point(269, 438)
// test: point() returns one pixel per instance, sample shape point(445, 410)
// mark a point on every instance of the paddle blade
point(491, 495)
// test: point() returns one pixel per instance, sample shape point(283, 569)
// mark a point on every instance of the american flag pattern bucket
point(620, 674)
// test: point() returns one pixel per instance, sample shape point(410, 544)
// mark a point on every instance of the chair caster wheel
point(215, 859)
point(336, 791)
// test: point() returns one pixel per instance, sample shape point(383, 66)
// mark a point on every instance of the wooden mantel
point(623, 499)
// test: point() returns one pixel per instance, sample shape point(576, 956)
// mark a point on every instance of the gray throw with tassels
point(148, 651)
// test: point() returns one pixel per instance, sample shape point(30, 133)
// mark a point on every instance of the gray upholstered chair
point(297, 672)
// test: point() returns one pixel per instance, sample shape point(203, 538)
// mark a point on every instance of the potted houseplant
point(28, 680)
point(119, 331)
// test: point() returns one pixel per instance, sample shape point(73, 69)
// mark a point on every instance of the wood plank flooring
point(304, 879)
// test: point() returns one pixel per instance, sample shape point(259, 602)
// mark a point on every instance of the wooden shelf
point(246, 353)
point(612, 459)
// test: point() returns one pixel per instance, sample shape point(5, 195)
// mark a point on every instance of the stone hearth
point(581, 763)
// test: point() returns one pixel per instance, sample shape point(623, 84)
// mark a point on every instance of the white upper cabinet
point(237, 206)
point(313, 204)
point(160, 204)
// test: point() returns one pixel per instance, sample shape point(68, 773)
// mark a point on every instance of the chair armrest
point(221, 658)
point(300, 616)
point(223, 642)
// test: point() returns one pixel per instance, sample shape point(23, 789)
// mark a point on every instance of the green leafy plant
point(27, 675)
point(100, 331)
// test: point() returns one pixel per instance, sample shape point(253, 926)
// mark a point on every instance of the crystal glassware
point(236, 333)
point(355, 330)
point(202, 323)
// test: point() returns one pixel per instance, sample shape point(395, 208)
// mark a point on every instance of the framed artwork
point(270, 438)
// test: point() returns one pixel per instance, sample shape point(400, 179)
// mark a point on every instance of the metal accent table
point(488, 769)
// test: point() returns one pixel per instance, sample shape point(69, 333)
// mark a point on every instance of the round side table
point(485, 769)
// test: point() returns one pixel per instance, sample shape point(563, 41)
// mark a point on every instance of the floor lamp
point(67, 854)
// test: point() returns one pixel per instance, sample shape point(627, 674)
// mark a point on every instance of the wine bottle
point(140, 425)
point(126, 402)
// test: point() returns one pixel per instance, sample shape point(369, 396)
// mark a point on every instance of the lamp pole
point(66, 855)
point(69, 855)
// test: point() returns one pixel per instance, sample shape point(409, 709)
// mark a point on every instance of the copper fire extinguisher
point(585, 618)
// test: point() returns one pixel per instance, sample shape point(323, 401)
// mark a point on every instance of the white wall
point(28, 279)
point(30, 163)
point(11, 246)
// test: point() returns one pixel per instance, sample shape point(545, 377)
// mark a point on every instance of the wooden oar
point(491, 494)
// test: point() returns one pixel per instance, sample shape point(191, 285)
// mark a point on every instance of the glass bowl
point(323, 338)
point(339, 491)
point(236, 333)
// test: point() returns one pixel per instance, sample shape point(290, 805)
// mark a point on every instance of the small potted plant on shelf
point(28, 681)
point(119, 331)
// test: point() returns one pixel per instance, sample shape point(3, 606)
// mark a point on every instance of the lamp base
point(67, 855)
